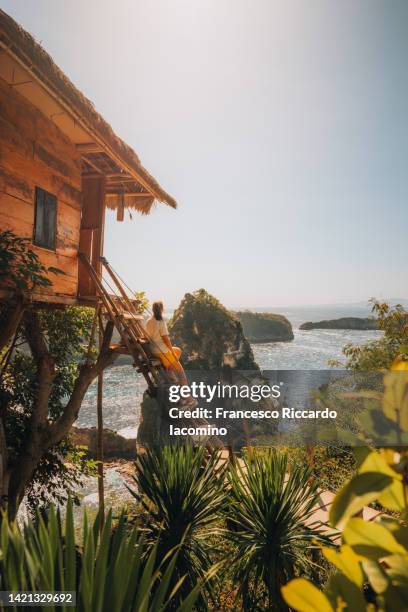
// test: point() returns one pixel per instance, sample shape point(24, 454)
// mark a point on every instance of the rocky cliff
point(215, 349)
point(209, 335)
point(265, 326)
point(114, 445)
point(357, 323)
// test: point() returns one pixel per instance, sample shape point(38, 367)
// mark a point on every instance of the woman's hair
point(157, 308)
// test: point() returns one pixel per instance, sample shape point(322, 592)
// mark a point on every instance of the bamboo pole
point(99, 447)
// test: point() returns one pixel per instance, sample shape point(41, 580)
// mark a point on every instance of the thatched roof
point(29, 53)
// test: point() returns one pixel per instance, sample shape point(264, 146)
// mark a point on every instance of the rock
point(155, 425)
point(114, 445)
point(265, 326)
point(209, 335)
point(359, 323)
point(214, 350)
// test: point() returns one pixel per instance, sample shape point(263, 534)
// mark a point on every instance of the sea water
point(124, 387)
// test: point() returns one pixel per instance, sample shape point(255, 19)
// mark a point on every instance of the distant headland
point(358, 323)
point(265, 326)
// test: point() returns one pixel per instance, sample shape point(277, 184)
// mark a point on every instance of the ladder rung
point(155, 363)
point(120, 348)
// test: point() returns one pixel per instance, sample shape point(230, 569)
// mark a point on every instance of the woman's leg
point(177, 367)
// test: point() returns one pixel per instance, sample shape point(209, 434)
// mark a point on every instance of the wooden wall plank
point(32, 125)
point(17, 186)
point(36, 173)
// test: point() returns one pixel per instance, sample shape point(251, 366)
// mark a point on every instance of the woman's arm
point(167, 342)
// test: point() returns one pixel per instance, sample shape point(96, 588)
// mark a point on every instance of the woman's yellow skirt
point(170, 360)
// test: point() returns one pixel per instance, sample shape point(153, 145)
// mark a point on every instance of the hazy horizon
point(362, 308)
point(279, 127)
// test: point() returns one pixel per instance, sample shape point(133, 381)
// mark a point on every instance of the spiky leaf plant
point(271, 526)
point(111, 569)
point(182, 490)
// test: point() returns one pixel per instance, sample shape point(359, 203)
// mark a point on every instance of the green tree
point(393, 321)
point(41, 392)
point(45, 373)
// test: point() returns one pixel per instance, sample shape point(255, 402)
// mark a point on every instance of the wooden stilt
point(99, 449)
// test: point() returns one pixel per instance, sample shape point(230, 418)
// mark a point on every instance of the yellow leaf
point(303, 596)
point(395, 397)
point(360, 491)
point(393, 497)
point(389, 455)
point(371, 539)
point(375, 462)
point(347, 562)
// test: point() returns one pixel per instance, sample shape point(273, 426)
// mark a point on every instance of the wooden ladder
point(122, 313)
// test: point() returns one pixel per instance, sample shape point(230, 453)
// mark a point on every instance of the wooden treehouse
point(61, 165)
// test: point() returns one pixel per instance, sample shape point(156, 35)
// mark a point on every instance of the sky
point(280, 128)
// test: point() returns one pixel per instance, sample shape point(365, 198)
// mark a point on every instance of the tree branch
point(46, 370)
point(10, 326)
point(87, 374)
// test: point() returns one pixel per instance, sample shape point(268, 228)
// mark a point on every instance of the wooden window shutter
point(45, 222)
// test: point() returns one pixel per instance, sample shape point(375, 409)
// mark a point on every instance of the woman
point(161, 346)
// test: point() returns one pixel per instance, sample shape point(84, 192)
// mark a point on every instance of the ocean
point(310, 350)
point(123, 387)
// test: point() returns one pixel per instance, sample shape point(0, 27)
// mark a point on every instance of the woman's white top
point(155, 330)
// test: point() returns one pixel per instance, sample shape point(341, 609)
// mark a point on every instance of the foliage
point(265, 326)
point(67, 332)
point(372, 561)
point(270, 519)
point(140, 301)
point(332, 465)
point(206, 332)
point(110, 569)
point(182, 492)
point(393, 321)
point(20, 267)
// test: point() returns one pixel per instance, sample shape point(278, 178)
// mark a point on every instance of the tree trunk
point(14, 315)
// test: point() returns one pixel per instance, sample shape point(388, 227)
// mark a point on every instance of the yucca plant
point(270, 525)
point(182, 491)
point(111, 569)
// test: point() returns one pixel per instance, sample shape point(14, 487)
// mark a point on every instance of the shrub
point(111, 569)
point(270, 523)
point(181, 489)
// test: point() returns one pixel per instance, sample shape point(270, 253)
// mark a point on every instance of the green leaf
point(357, 493)
point(56, 271)
point(371, 540)
point(303, 596)
point(70, 560)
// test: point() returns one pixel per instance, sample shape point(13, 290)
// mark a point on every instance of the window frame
point(46, 195)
